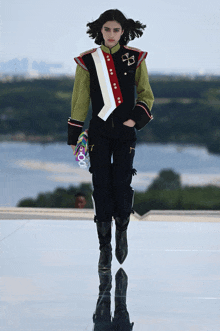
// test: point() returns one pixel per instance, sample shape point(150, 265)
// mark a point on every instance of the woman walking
point(109, 75)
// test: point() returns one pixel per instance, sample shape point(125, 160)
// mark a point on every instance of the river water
point(27, 169)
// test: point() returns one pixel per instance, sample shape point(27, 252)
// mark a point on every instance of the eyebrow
point(106, 27)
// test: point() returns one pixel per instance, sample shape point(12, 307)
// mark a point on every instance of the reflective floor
point(169, 281)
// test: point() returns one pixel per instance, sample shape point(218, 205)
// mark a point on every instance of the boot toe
point(121, 250)
point(121, 254)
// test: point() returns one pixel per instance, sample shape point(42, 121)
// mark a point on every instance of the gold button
point(119, 101)
point(110, 69)
point(118, 98)
point(115, 87)
point(114, 84)
point(111, 73)
point(125, 73)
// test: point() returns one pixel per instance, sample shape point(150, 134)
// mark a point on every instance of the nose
point(111, 34)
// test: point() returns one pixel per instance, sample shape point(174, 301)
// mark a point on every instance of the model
point(110, 76)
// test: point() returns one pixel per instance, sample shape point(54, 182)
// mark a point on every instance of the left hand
point(129, 123)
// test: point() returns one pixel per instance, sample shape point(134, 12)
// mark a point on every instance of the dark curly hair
point(132, 29)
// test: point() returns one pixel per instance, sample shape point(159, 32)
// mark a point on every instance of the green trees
point(60, 198)
point(165, 193)
point(185, 111)
point(38, 107)
point(166, 180)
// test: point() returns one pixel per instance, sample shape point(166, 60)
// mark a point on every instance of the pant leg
point(123, 156)
point(100, 151)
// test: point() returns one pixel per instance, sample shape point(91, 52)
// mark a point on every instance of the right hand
point(73, 147)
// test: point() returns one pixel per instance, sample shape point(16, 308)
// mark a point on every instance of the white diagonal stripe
point(105, 85)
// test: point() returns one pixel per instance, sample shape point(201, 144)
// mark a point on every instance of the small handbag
point(81, 150)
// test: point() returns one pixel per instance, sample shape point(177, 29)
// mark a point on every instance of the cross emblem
point(131, 59)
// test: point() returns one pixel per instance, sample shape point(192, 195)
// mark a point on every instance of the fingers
point(130, 123)
point(73, 147)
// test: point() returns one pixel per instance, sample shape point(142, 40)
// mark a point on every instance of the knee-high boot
point(121, 250)
point(104, 235)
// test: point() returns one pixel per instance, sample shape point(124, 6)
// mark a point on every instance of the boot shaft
point(122, 224)
point(104, 233)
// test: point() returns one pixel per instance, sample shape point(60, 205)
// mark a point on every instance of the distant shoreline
point(22, 137)
point(49, 139)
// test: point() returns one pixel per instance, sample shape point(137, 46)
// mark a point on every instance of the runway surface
point(50, 280)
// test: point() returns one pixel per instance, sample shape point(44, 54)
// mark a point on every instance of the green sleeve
point(81, 95)
point(144, 91)
point(79, 104)
point(141, 113)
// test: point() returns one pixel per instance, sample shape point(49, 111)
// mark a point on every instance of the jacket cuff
point(141, 115)
point(74, 130)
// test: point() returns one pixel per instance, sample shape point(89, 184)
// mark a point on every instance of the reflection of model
point(102, 316)
point(107, 75)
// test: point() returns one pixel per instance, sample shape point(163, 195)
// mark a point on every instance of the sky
point(182, 36)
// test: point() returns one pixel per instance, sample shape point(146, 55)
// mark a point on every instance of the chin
point(111, 44)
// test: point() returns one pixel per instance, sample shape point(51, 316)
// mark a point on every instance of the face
point(80, 202)
point(111, 32)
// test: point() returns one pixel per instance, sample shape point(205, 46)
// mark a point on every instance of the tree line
point(186, 110)
point(165, 193)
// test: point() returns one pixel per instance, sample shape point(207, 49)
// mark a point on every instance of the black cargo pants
point(111, 163)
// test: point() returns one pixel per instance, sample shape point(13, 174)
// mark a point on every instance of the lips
point(111, 40)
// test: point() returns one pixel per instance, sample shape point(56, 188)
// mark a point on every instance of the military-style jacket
point(108, 77)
